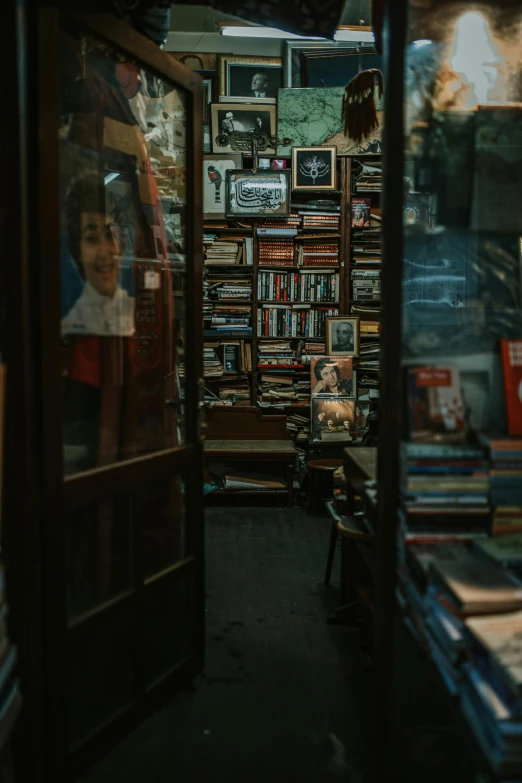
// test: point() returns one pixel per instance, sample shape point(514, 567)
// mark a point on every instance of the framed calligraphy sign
point(263, 194)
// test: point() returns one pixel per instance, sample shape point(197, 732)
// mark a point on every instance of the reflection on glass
point(123, 268)
point(462, 218)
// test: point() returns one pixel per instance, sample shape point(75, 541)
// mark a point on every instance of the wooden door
point(120, 281)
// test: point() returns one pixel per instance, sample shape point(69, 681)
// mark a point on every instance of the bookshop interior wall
point(292, 237)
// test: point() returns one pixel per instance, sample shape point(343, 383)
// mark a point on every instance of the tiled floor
point(277, 681)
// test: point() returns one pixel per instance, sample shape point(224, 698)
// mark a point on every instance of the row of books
point(463, 604)
point(298, 286)
point(293, 320)
point(308, 253)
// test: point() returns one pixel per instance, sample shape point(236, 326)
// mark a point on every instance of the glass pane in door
point(123, 147)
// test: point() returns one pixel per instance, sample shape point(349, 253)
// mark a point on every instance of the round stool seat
point(324, 464)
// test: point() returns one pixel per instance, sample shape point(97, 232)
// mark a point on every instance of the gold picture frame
point(344, 344)
point(236, 74)
point(314, 178)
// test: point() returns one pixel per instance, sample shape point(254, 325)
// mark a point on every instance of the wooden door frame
point(59, 494)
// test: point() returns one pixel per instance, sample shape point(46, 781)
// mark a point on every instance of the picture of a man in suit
point(259, 85)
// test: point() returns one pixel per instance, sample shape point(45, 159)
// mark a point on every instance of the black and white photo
point(227, 118)
point(342, 335)
point(254, 79)
point(314, 168)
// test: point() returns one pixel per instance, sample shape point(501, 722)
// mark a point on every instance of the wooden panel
point(243, 423)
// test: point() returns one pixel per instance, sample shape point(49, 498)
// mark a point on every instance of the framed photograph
point(263, 194)
point(342, 335)
point(314, 168)
point(331, 376)
point(197, 61)
point(333, 420)
point(228, 117)
point(214, 182)
point(294, 50)
point(325, 68)
point(313, 117)
point(250, 78)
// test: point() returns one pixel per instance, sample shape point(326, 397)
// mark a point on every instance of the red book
point(278, 288)
point(511, 351)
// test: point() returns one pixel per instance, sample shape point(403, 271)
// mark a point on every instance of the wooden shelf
point(293, 302)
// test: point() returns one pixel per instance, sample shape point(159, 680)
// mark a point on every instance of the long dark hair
point(359, 112)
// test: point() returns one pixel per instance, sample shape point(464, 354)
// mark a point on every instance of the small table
point(360, 465)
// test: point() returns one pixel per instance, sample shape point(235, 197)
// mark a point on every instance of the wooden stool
point(347, 528)
point(315, 468)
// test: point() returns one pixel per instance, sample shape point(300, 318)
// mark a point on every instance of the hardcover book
point(511, 352)
point(436, 412)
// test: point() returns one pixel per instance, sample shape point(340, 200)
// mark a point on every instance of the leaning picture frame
point(264, 193)
point(249, 78)
point(342, 335)
point(214, 182)
point(243, 118)
point(292, 65)
point(314, 168)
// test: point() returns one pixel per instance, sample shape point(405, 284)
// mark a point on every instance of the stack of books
point(318, 254)
point(223, 251)
point(233, 389)
point(275, 352)
point(445, 491)
point(296, 320)
point(224, 285)
point(212, 366)
point(369, 356)
point(368, 179)
point(310, 349)
point(320, 221)
point(227, 318)
point(298, 287)
point(284, 387)
point(506, 483)
point(276, 252)
point(366, 247)
point(465, 611)
point(366, 285)
point(299, 425)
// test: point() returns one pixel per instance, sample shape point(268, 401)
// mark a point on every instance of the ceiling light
point(247, 31)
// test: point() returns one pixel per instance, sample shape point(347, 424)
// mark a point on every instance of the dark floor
point(277, 681)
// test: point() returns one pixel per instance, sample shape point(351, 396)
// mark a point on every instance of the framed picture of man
point(252, 79)
point(342, 335)
point(332, 377)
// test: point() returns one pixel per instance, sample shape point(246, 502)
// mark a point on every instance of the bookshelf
point(290, 299)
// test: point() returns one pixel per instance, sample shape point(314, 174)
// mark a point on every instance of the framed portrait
point(229, 117)
point(314, 168)
point(332, 376)
point(98, 295)
point(251, 79)
point(333, 420)
point(197, 61)
point(342, 335)
point(214, 182)
point(263, 194)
